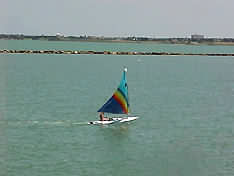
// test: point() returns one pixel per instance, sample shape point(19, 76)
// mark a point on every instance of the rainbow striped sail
point(118, 103)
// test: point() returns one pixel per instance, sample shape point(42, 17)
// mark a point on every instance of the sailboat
point(117, 104)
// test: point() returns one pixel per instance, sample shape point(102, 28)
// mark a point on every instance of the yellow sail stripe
point(121, 100)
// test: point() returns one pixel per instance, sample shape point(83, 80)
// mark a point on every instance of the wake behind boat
point(117, 104)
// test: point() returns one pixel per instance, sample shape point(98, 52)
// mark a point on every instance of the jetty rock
point(6, 51)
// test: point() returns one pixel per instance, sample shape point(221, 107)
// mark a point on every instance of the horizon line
point(103, 36)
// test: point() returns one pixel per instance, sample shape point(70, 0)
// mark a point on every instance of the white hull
point(114, 120)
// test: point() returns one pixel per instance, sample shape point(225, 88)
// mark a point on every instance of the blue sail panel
point(111, 106)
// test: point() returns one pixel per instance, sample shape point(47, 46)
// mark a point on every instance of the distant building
point(58, 35)
point(197, 37)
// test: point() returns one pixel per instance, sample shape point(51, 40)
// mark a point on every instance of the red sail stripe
point(121, 103)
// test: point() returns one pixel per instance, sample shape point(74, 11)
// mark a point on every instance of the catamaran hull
point(114, 120)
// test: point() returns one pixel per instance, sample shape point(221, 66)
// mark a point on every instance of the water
point(101, 46)
point(185, 106)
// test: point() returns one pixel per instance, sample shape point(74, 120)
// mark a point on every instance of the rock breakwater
point(109, 53)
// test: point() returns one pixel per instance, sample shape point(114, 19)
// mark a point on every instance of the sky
point(118, 18)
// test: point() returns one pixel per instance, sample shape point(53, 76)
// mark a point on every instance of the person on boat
point(102, 118)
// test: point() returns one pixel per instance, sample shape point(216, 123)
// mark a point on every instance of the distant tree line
point(90, 38)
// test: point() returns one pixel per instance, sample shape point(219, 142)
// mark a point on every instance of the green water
point(185, 106)
point(94, 46)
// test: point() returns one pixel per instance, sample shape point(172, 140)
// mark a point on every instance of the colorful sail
point(118, 103)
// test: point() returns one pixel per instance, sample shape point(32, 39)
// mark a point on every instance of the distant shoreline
point(183, 41)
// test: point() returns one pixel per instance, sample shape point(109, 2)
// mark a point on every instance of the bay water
point(185, 105)
point(121, 46)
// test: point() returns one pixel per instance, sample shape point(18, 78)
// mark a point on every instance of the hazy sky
point(150, 18)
